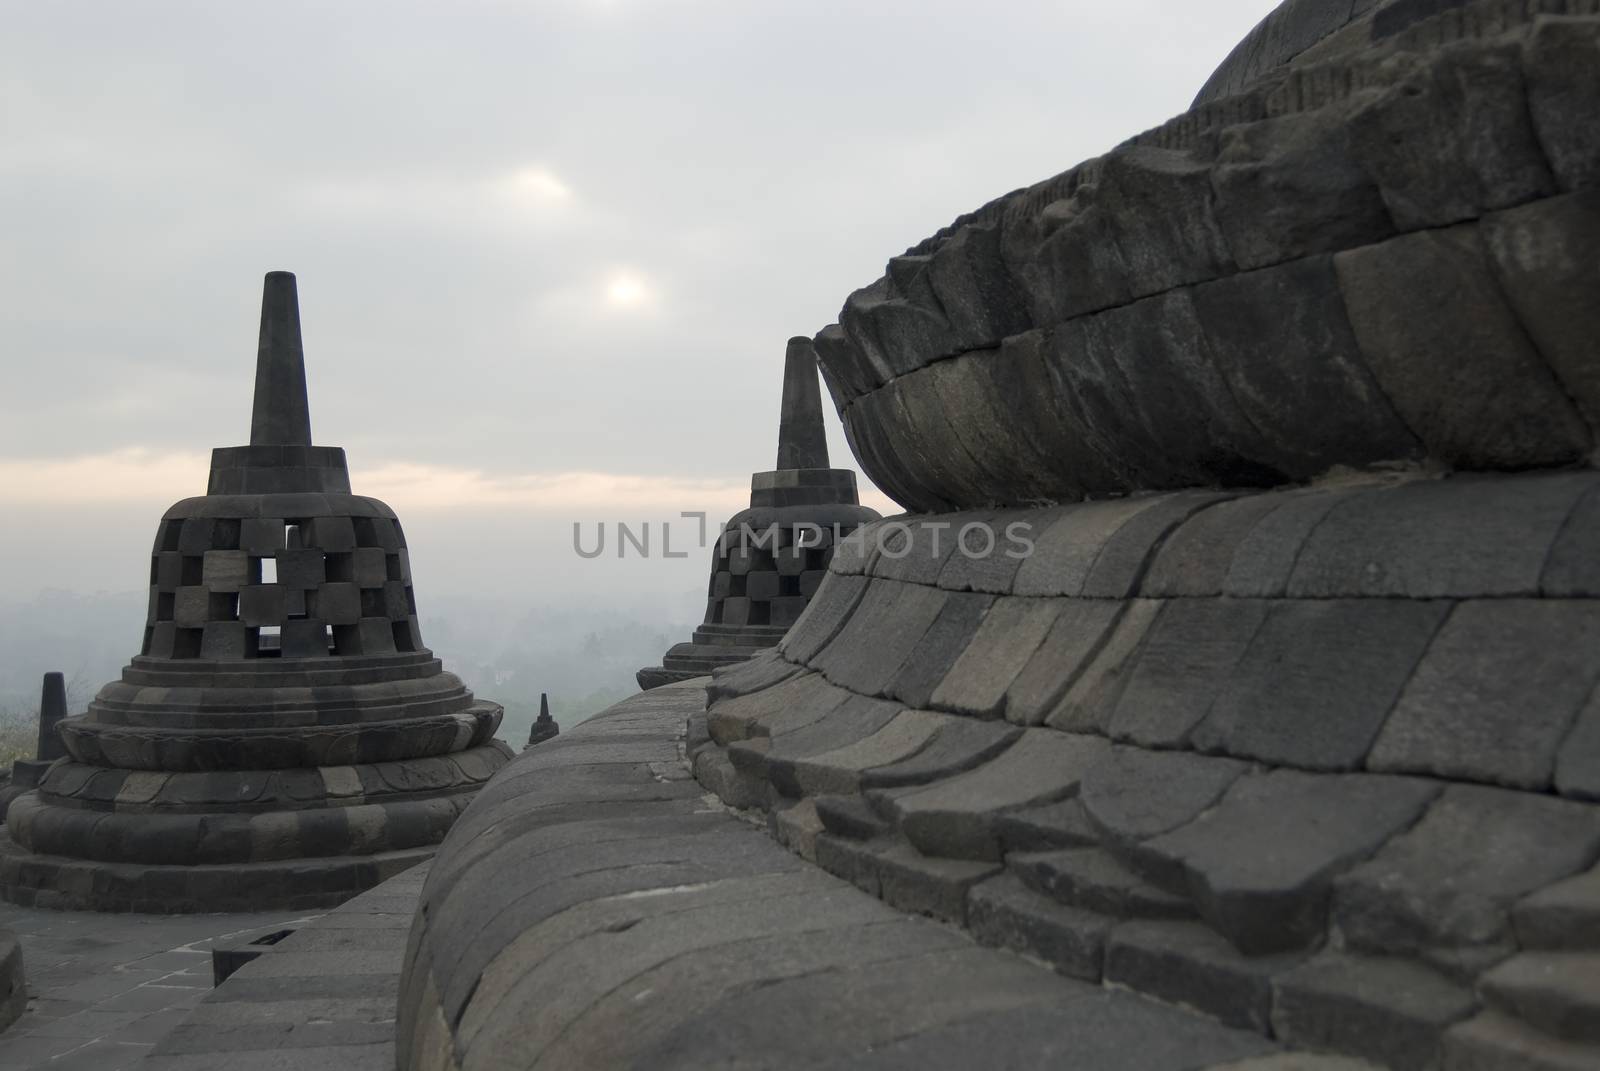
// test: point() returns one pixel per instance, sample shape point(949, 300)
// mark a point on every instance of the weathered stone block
point(1281, 338)
point(1092, 879)
point(1079, 628)
point(1318, 680)
point(840, 770)
point(224, 640)
point(876, 641)
point(1010, 633)
point(1186, 963)
point(1302, 829)
point(1089, 702)
point(1188, 656)
point(960, 744)
point(1565, 915)
point(1452, 358)
point(1445, 888)
point(1543, 256)
point(1388, 1011)
point(1287, 188)
point(1463, 537)
point(936, 652)
point(261, 604)
point(1267, 554)
point(336, 604)
point(1066, 549)
point(301, 570)
point(955, 817)
point(1561, 65)
point(1003, 912)
point(305, 638)
point(1046, 827)
point(1450, 138)
point(191, 607)
point(1135, 794)
point(225, 570)
point(1493, 1042)
point(1466, 711)
point(1557, 993)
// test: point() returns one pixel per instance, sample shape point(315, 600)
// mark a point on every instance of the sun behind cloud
point(628, 290)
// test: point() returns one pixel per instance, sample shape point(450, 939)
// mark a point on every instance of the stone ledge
point(321, 999)
point(594, 913)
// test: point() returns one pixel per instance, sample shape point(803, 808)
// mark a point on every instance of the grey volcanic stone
point(1268, 552)
point(1318, 681)
point(1088, 704)
point(1540, 254)
point(1466, 713)
point(1462, 537)
point(1135, 794)
point(944, 642)
point(1386, 1010)
point(1452, 138)
point(850, 816)
point(1565, 915)
point(1557, 993)
point(1561, 63)
point(840, 770)
point(1120, 568)
point(1428, 301)
point(830, 608)
point(875, 643)
point(1045, 827)
point(902, 877)
point(955, 817)
point(1187, 657)
point(1287, 188)
point(1010, 633)
point(1143, 227)
point(1081, 625)
point(1445, 888)
point(1195, 559)
point(854, 720)
point(742, 678)
point(1066, 550)
point(1092, 879)
point(1572, 569)
point(1002, 911)
point(1187, 963)
point(1281, 338)
point(960, 744)
point(1493, 1042)
point(789, 704)
point(1578, 761)
point(1303, 830)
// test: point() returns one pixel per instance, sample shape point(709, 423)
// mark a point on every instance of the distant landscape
point(504, 650)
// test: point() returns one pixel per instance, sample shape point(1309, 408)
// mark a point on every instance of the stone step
point(1092, 879)
point(1557, 993)
point(1565, 916)
point(1494, 1042)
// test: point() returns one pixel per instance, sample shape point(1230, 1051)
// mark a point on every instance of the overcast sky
point(549, 251)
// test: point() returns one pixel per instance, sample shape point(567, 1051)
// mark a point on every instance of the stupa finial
point(281, 415)
point(802, 443)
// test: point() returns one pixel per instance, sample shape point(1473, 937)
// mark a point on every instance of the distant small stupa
point(544, 727)
point(282, 739)
point(771, 558)
point(26, 773)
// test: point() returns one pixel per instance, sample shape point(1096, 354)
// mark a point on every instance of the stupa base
point(63, 884)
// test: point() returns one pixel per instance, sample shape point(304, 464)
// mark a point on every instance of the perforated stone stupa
point(282, 738)
point(770, 558)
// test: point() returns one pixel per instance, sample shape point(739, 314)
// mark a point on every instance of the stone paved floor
point(105, 988)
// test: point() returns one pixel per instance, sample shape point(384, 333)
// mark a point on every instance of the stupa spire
point(802, 443)
point(281, 415)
